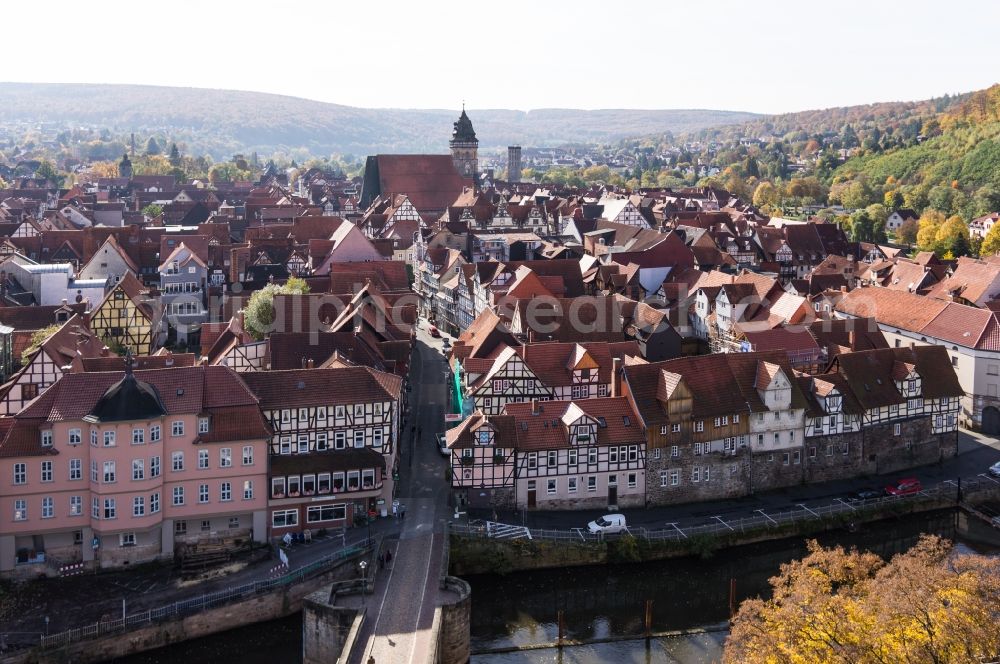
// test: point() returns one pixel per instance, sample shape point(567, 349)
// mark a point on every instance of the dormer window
point(202, 425)
point(47, 438)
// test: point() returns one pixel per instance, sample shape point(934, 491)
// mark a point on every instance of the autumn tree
point(929, 604)
point(907, 232)
point(766, 194)
point(930, 222)
point(952, 237)
point(38, 337)
point(991, 243)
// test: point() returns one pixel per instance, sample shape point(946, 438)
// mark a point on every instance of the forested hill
point(225, 121)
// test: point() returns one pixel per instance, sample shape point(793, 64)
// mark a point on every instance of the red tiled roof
point(316, 387)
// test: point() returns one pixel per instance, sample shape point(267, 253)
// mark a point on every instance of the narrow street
point(401, 609)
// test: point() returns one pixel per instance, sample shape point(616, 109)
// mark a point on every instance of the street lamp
point(364, 580)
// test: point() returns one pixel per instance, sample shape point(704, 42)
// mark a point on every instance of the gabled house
point(127, 317)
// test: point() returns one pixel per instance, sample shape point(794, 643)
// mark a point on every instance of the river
point(603, 602)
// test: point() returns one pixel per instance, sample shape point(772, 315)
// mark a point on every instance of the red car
point(434, 332)
point(904, 487)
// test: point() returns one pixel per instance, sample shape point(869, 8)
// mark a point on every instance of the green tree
point(38, 337)
point(952, 237)
point(175, 156)
point(862, 227)
point(152, 147)
point(258, 315)
point(46, 170)
point(152, 210)
point(893, 199)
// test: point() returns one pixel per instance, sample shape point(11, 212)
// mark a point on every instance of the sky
point(764, 56)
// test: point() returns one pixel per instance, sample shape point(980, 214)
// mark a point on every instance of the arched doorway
point(991, 420)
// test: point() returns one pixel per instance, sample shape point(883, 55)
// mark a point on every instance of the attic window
point(301, 385)
point(180, 391)
point(601, 422)
point(524, 426)
point(626, 420)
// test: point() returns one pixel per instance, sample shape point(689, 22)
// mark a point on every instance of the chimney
point(843, 289)
point(616, 380)
point(310, 363)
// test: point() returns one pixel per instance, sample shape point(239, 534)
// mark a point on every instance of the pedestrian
point(402, 512)
point(388, 557)
point(371, 659)
point(395, 510)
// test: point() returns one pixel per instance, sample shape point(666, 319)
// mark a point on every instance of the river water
point(603, 602)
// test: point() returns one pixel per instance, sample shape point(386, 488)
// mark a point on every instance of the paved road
point(401, 608)
point(976, 453)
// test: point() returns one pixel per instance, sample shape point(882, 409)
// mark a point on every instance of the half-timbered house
point(334, 451)
point(482, 460)
point(127, 318)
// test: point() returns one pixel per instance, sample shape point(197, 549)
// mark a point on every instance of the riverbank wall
point(485, 555)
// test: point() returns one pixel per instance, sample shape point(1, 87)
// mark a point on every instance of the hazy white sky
point(763, 56)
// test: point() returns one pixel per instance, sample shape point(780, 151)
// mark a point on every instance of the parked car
point(865, 494)
point(994, 470)
point(434, 332)
point(443, 445)
point(609, 523)
point(904, 487)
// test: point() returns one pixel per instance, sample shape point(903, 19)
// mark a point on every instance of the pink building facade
point(116, 468)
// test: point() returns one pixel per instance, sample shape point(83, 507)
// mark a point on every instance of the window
point(632, 480)
point(633, 452)
point(571, 456)
point(797, 457)
point(247, 489)
point(48, 508)
point(95, 507)
point(177, 461)
point(47, 438)
point(309, 484)
point(138, 436)
point(339, 412)
point(226, 457)
point(338, 481)
point(323, 483)
point(284, 518)
point(532, 460)
point(613, 455)
point(93, 437)
point(675, 428)
point(202, 459)
point(699, 426)
point(109, 472)
point(591, 483)
point(138, 469)
point(234, 522)
point(571, 485)
point(46, 471)
point(896, 429)
point(812, 451)
point(177, 428)
point(154, 503)
point(320, 513)
point(321, 437)
point(663, 478)
point(353, 479)
point(94, 474)
point(675, 451)
point(718, 421)
point(154, 466)
point(206, 525)
point(696, 474)
point(303, 443)
point(202, 493)
point(126, 539)
point(178, 495)
point(285, 445)
point(180, 527)
point(550, 487)
point(706, 471)
point(110, 509)
point(697, 449)
point(74, 437)
point(75, 505)
point(139, 506)
point(553, 459)
point(914, 404)
point(202, 425)
point(675, 477)
point(21, 509)
point(154, 433)
point(277, 487)
point(785, 458)
point(377, 437)
point(226, 491)
point(359, 438)
point(75, 469)
point(736, 418)
point(248, 454)
point(339, 440)
point(109, 438)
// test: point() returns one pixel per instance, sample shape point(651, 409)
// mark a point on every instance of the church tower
point(465, 147)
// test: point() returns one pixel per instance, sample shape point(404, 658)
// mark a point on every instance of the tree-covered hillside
point(222, 122)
